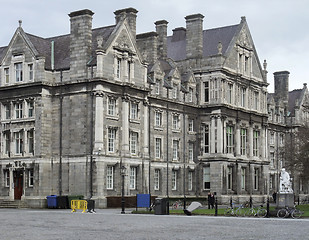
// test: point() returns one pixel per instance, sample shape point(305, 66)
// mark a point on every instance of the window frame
point(110, 177)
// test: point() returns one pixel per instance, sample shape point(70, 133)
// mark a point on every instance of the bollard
point(250, 202)
point(231, 202)
point(216, 207)
point(267, 208)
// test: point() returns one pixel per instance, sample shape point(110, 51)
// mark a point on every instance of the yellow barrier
point(79, 204)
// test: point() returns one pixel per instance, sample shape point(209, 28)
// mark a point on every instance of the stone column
point(237, 139)
point(125, 125)
point(125, 67)
point(99, 53)
point(220, 136)
point(146, 128)
point(250, 135)
point(212, 134)
point(98, 128)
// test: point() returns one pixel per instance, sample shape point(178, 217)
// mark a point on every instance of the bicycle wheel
point(282, 213)
point(262, 212)
point(296, 213)
point(251, 212)
point(228, 212)
point(240, 212)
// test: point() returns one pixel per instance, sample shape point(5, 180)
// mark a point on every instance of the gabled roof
point(176, 44)
point(61, 47)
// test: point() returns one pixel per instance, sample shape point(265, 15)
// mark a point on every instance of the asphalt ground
point(111, 224)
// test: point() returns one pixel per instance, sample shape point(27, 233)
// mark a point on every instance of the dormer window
point(175, 91)
point(157, 87)
point(30, 69)
point(118, 67)
point(18, 72)
point(7, 75)
point(190, 95)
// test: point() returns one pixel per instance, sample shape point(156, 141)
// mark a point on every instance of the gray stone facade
point(186, 114)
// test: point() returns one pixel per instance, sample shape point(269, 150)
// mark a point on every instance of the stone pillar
point(98, 129)
point(263, 143)
point(146, 129)
point(237, 139)
point(125, 66)
point(212, 134)
point(220, 135)
point(99, 53)
point(250, 136)
point(125, 125)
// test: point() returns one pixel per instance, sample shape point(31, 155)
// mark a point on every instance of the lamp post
point(123, 173)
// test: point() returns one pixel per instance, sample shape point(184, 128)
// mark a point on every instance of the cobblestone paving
point(110, 224)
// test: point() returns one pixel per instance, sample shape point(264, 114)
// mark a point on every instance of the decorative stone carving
point(219, 48)
point(100, 41)
point(285, 182)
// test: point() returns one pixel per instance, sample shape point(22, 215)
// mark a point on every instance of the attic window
point(19, 72)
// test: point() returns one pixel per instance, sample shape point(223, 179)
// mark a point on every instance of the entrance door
point(18, 185)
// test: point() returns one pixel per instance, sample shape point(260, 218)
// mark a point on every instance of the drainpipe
point(60, 136)
point(91, 144)
point(184, 152)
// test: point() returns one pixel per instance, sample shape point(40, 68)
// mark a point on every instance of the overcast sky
point(279, 27)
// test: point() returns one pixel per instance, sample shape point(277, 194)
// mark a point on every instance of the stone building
point(184, 114)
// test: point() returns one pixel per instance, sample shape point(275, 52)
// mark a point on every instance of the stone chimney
point(130, 15)
point(147, 45)
point(80, 42)
point(161, 29)
point(194, 36)
point(281, 86)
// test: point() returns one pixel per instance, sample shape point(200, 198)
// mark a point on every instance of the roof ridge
point(216, 28)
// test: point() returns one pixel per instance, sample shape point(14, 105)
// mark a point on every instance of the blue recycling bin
point(52, 201)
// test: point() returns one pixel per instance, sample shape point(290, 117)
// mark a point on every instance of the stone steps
point(13, 204)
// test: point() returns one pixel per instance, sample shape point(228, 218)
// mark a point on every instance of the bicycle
point(235, 211)
point(177, 204)
point(286, 212)
point(256, 212)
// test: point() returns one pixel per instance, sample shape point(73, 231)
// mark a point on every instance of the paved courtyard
point(110, 224)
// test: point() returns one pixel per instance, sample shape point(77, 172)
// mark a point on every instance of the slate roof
point(62, 47)
point(294, 100)
point(176, 44)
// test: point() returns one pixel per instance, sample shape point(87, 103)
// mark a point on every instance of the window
point(7, 75)
point(230, 178)
point(190, 181)
point(175, 150)
point(272, 159)
point(205, 131)
point(7, 111)
point(272, 138)
point(129, 70)
point(190, 152)
point(256, 101)
point(190, 95)
point(111, 106)
point(118, 68)
point(240, 63)
point(175, 123)
point(158, 118)
point(243, 141)
point(30, 109)
point(31, 141)
point(134, 110)
point(271, 114)
point(19, 72)
point(243, 178)
point(281, 139)
point(174, 180)
point(230, 139)
point(206, 177)
point(110, 177)
point(206, 92)
point(229, 93)
point(7, 178)
point(19, 142)
point(158, 147)
point(30, 69)
point(243, 97)
point(190, 125)
point(7, 140)
point(157, 179)
point(256, 136)
point(132, 177)
point(175, 91)
point(256, 179)
point(111, 139)
point(18, 110)
point(133, 142)
point(30, 178)
point(157, 87)
point(246, 65)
